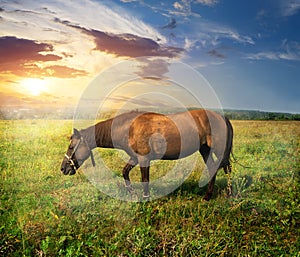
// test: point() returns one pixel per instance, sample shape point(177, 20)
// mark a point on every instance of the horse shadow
point(192, 188)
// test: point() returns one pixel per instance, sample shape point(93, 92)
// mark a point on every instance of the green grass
point(44, 213)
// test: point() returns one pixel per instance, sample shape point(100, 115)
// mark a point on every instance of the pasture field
point(44, 213)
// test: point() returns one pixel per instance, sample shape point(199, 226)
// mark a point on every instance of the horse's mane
point(102, 130)
point(124, 117)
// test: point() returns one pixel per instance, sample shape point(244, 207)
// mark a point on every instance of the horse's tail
point(225, 163)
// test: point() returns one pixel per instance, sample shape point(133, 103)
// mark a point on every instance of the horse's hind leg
point(210, 188)
point(205, 152)
point(127, 168)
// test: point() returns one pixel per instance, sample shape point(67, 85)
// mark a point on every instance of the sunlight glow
point(34, 86)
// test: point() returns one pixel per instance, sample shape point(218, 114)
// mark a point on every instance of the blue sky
point(249, 51)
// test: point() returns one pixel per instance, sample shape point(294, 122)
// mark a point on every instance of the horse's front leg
point(127, 168)
point(145, 167)
point(145, 181)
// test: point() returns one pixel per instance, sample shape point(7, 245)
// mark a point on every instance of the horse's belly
point(180, 148)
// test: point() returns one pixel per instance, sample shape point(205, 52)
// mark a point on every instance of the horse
point(147, 136)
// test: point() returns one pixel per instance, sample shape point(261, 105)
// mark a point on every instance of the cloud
point(275, 56)
point(189, 43)
point(114, 19)
point(279, 9)
point(229, 33)
point(193, 32)
point(131, 45)
point(263, 56)
point(140, 102)
point(215, 53)
point(179, 6)
point(38, 20)
point(290, 7)
point(207, 2)
point(289, 51)
point(60, 71)
point(126, 44)
point(153, 68)
point(183, 8)
point(21, 57)
point(14, 49)
point(205, 35)
point(24, 101)
point(170, 25)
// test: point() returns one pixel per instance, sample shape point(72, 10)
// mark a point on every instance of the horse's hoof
point(146, 198)
point(129, 188)
point(207, 197)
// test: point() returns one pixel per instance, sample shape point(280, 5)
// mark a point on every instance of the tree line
point(260, 115)
point(68, 113)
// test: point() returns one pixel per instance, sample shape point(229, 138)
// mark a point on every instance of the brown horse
point(146, 136)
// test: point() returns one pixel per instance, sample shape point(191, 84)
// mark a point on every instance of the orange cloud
point(60, 71)
point(21, 57)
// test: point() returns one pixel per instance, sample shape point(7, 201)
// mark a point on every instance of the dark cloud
point(126, 44)
point(153, 69)
point(20, 56)
point(48, 10)
point(171, 25)
point(14, 49)
point(131, 45)
point(215, 53)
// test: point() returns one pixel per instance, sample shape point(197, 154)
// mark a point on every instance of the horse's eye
point(71, 147)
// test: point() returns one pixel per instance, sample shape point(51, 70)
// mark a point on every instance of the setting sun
point(34, 86)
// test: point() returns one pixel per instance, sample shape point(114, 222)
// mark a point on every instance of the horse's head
point(78, 151)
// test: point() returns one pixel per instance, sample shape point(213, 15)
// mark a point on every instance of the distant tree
point(296, 117)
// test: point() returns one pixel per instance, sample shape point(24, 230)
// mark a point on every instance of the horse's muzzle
point(68, 171)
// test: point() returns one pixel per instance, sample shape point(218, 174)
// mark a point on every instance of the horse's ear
point(76, 132)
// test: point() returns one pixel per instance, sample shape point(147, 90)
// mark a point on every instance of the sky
point(248, 51)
